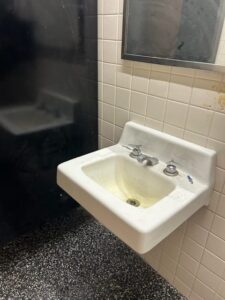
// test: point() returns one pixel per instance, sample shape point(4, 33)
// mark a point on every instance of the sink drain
point(133, 202)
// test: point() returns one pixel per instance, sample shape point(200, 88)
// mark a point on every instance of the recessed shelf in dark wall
point(48, 104)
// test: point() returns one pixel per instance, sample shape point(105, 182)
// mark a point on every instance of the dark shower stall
point(48, 104)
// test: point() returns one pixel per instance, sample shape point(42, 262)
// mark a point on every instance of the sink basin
point(128, 180)
point(139, 203)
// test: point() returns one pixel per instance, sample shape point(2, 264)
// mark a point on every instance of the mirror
point(186, 33)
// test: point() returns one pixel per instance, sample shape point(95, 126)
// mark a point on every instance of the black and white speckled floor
point(74, 257)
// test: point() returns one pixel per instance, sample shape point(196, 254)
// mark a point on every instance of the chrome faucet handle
point(136, 150)
point(171, 168)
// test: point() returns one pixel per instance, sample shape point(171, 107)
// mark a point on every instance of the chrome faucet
point(141, 158)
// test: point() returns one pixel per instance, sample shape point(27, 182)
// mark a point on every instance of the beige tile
point(123, 98)
point(156, 108)
point(176, 113)
point(205, 93)
point(192, 248)
point(221, 289)
point(185, 276)
point(173, 130)
point(110, 52)
point(110, 7)
point(219, 147)
point(218, 227)
point(140, 80)
point(154, 124)
point(100, 27)
point(214, 199)
point(203, 291)
point(208, 75)
point(108, 113)
point(183, 71)
point(218, 123)
point(124, 77)
point(220, 179)
point(100, 104)
point(100, 71)
point(142, 65)
point(137, 118)
point(213, 263)
point(216, 246)
point(168, 263)
point(109, 73)
point(100, 7)
point(159, 84)
point(195, 138)
point(181, 287)
point(122, 116)
point(217, 297)
point(100, 91)
point(121, 2)
point(99, 126)
point(138, 103)
point(189, 263)
point(220, 210)
point(193, 122)
point(108, 130)
point(210, 279)
point(194, 296)
point(161, 68)
point(110, 27)
point(106, 143)
point(100, 50)
point(118, 133)
point(109, 93)
point(164, 272)
point(203, 217)
point(197, 233)
point(180, 88)
point(120, 28)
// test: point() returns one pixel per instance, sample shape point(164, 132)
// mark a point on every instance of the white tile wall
point(186, 103)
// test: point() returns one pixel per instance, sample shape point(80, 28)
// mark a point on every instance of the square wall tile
point(123, 98)
point(217, 129)
point(110, 7)
point(140, 80)
point(156, 107)
point(121, 117)
point(109, 93)
point(110, 27)
point(159, 84)
point(109, 74)
point(199, 120)
point(110, 52)
point(138, 103)
point(180, 88)
point(124, 77)
point(176, 113)
point(108, 113)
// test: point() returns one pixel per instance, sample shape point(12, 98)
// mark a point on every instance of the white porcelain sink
point(139, 203)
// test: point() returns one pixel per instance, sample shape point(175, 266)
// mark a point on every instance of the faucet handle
point(171, 168)
point(136, 150)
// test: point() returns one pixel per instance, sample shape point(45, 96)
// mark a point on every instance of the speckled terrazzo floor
point(74, 257)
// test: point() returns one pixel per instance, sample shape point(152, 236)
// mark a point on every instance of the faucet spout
point(151, 161)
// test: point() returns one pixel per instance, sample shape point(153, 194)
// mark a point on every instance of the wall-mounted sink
point(137, 202)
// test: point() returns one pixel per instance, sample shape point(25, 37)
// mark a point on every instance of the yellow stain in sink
point(124, 195)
